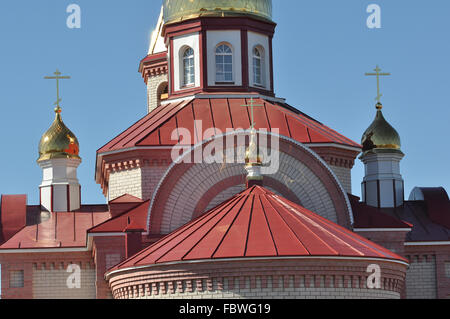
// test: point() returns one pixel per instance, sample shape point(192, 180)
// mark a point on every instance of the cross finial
point(378, 74)
point(57, 77)
point(252, 105)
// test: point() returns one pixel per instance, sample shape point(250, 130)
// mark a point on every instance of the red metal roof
point(370, 217)
point(438, 205)
point(134, 219)
point(126, 199)
point(60, 230)
point(156, 128)
point(258, 223)
point(13, 215)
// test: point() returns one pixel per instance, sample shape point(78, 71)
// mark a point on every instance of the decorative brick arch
point(270, 183)
point(303, 177)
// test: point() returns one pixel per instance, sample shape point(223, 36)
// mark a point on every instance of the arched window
point(224, 63)
point(162, 92)
point(188, 67)
point(258, 67)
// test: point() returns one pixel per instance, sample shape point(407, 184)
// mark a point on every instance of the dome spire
point(57, 77)
point(253, 158)
point(378, 74)
point(253, 161)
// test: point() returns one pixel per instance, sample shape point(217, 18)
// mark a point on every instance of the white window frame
point(259, 58)
point(223, 63)
point(188, 73)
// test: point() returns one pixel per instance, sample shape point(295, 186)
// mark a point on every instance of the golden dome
point(58, 141)
point(180, 10)
point(380, 135)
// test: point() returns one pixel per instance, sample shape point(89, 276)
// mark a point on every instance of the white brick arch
point(154, 85)
point(181, 202)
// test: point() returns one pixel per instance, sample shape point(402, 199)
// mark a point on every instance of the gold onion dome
point(180, 10)
point(381, 135)
point(58, 141)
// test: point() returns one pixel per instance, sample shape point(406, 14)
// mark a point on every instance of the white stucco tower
point(59, 160)
point(383, 185)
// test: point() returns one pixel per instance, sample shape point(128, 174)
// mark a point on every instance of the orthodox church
point(179, 223)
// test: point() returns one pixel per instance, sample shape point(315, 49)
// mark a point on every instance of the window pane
point(220, 77)
point(16, 279)
point(189, 52)
point(229, 77)
point(224, 63)
point(188, 70)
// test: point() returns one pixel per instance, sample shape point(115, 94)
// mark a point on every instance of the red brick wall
point(102, 246)
point(438, 256)
point(29, 262)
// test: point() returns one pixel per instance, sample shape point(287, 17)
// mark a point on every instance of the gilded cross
point(57, 77)
point(378, 74)
point(252, 105)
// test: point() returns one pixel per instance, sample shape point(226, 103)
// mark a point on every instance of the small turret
point(59, 159)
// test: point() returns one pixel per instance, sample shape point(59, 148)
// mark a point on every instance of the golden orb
point(380, 135)
point(180, 10)
point(253, 156)
point(58, 141)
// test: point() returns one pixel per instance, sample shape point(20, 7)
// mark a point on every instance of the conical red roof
point(258, 223)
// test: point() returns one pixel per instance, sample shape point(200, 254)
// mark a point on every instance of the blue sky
point(322, 48)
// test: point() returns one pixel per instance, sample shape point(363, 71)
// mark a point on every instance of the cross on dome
point(57, 77)
point(252, 105)
point(378, 74)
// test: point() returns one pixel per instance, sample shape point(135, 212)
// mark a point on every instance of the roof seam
point(249, 224)
point(176, 106)
point(331, 233)
point(218, 211)
point(211, 112)
point(267, 115)
point(233, 203)
point(270, 229)
point(289, 227)
point(228, 230)
point(178, 232)
point(316, 236)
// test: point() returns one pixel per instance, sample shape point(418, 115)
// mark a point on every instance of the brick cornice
point(336, 156)
point(128, 160)
point(275, 274)
point(154, 65)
